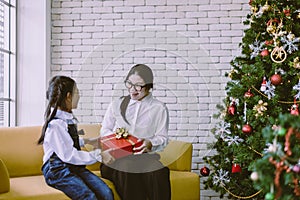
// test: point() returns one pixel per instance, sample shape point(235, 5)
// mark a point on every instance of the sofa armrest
point(4, 178)
point(177, 155)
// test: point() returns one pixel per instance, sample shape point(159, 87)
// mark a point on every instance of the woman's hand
point(144, 148)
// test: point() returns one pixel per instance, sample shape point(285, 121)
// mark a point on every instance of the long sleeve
point(58, 140)
point(160, 138)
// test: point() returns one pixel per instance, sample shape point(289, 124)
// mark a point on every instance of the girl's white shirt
point(58, 140)
point(148, 119)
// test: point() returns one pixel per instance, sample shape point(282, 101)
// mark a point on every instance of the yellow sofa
point(21, 161)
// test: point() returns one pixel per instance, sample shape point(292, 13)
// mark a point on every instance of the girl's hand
point(92, 141)
point(107, 158)
point(144, 148)
point(96, 154)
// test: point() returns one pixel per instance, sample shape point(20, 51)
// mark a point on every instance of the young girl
point(64, 163)
point(140, 176)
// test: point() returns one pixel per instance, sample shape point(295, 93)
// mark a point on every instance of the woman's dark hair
point(59, 87)
point(146, 74)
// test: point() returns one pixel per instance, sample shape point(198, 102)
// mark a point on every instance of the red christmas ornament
point(247, 129)
point(287, 12)
point(236, 168)
point(264, 53)
point(263, 85)
point(248, 94)
point(269, 42)
point(276, 79)
point(232, 108)
point(294, 109)
point(204, 171)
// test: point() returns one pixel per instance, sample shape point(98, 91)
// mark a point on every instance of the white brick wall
point(188, 44)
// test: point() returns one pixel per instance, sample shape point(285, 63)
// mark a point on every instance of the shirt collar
point(66, 116)
point(145, 99)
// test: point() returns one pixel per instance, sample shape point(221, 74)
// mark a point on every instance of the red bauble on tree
point(294, 109)
point(264, 53)
point(248, 94)
point(287, 12)
point(204, 171)
point(276, 79)
point(236, 168)
point(247, 129)
point(232, 108)
point(269, 42)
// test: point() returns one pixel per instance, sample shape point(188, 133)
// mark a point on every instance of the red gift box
point(119, 147)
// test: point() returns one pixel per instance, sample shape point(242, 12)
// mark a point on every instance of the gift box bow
point(121, 143)
point(121, 133)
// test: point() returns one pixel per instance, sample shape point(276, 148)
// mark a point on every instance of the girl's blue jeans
point(76, 182)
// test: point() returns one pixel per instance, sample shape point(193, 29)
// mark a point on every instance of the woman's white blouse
point(148, 119)
point(58, 140)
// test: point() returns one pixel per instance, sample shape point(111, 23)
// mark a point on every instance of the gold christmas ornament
point(223, 114)
point(271, 29)
point(254, 9)
point(260, 108)
point(230, 74)
point(296, 63)
point(266, 7)
point(271, 26)
point(278, 55)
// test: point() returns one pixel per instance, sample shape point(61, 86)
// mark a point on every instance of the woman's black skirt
point(139, 177)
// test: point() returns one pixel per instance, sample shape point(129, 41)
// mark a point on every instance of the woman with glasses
point(140, 176)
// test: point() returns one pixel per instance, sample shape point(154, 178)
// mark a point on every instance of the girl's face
point(72, 99)
point(75, 97)
point(134, 83)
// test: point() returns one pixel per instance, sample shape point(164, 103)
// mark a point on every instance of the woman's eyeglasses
point(137, 87)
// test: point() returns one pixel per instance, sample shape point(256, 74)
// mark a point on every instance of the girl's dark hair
point(59, 86)
point(146, 74)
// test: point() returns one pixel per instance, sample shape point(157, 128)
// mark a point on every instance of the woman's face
point(133, 82)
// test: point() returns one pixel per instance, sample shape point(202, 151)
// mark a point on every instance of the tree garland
point(283, 102)
point(240, 197)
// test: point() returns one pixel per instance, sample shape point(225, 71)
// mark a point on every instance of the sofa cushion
point(4, 177)
point(35, 188)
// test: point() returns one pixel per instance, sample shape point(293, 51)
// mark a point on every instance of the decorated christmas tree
point(264, 86)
